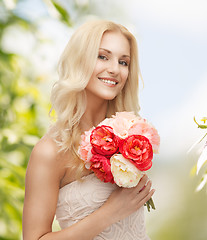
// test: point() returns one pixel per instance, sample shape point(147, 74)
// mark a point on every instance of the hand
point(124, 201)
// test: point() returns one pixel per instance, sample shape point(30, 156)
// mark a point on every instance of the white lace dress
point(80, 198)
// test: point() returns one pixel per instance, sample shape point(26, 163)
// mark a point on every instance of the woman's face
point(112, 67)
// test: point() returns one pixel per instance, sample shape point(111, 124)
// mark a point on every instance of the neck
point(95, 113)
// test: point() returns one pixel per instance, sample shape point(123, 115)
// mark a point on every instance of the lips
point(110, 81)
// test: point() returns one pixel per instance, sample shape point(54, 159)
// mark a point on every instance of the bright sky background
point(172, 36)
point(172, 39)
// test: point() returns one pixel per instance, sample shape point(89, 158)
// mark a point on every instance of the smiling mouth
point(108, 81)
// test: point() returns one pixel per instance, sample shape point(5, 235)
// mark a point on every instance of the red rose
point(101, 166)
point(138, 150)
point(104, 141)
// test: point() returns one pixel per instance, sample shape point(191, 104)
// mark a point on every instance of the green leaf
point(65, 17)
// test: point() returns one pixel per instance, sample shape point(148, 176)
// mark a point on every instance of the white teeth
point(108, 81)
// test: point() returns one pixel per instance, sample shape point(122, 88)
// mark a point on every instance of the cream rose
point(124, 172)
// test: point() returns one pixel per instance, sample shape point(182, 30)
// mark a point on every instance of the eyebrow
point(108, 51)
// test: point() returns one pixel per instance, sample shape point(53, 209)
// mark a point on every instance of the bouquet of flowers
point(120, 149)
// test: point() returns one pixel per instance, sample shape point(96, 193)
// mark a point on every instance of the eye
point(102, 57)
point(124, 63)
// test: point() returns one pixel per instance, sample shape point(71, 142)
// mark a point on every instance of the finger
point(144, 178)
point(145, 191)
point(147, 187)
point(142, 183)
point(146, 198)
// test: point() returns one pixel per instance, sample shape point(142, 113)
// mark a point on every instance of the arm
point(43, 176)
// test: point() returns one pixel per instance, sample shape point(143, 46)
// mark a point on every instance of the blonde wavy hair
point(76, 66)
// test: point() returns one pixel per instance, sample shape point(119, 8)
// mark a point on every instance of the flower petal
point(202, 159)
point(202, 184)
point(124, 172)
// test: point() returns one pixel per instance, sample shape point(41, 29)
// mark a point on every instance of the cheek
point(99, 67)
point(124, 75)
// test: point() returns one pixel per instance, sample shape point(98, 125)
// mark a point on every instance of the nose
point(113, 67)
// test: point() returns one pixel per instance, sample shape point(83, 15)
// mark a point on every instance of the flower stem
point(150, 204)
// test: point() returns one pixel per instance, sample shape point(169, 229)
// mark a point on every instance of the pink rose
point(104, 141)
point(142, 127)
point(101, 166)
point(138, 150)
point(85, 147)
point(130, 116)
point(122, 123)
point(107, 122)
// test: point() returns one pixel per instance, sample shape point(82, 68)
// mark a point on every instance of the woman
point(98, 73)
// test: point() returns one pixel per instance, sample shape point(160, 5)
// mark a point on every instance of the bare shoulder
point(45, 171)
point(46, 148)
point(46, 157)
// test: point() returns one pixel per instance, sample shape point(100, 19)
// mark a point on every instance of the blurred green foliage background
point(24, 107)
point(20, 124)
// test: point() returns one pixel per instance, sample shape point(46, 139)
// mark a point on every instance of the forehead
point(115, 42)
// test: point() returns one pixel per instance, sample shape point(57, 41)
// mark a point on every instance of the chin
point(109, 97)
point(103, 95)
